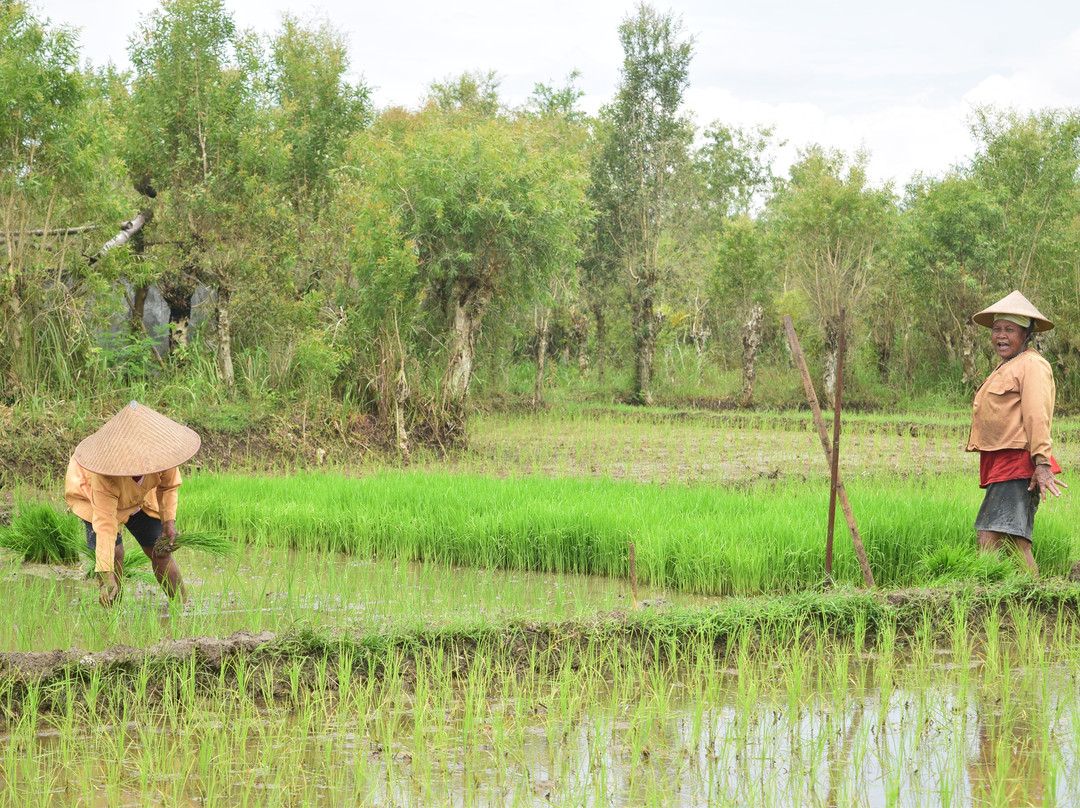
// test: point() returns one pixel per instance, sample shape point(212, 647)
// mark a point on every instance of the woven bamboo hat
point(136, 441)
point(1013, 303)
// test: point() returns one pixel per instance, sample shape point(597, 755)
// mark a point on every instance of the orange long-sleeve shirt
point(107, 502)
point(1014, 408)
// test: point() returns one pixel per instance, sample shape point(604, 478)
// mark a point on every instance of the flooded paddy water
point(845, 731)
point(279, 589)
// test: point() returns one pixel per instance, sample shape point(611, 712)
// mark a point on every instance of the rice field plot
point(982, 711)
point(719, 448)
point(760, 538)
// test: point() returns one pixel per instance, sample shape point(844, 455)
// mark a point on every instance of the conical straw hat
point(136, 441)
point(1013, 303)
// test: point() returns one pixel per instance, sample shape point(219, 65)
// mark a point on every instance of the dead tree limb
point(127, 230)
point(15, 235)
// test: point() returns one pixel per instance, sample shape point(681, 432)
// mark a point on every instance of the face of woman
point(1007, 338)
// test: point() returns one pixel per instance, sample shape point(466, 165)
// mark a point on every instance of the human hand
point(109, 591)
point(167, 542)
point(1046, 482)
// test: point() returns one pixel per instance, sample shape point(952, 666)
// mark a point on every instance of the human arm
point(104, 498)
point(168, 501)
point(1037, 409)
point(1037, 412)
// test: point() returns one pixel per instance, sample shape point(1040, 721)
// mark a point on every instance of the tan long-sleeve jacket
point(1014, 408)
point(107, 502)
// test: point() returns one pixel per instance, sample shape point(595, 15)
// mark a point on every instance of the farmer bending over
point(125, 474)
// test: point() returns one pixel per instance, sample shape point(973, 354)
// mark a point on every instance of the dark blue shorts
point(146, 530)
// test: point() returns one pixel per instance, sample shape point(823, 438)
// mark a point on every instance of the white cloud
point(924, 130)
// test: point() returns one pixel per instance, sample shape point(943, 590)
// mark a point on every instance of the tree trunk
point(647, 324)
point(751, 342)
point(581, 340)
point(832, 356)
point(224, 346)
point(883, 347)
point(138, 307)
point(469, 302)
point(542, 318)
point(11, 330)
point(601, 339)
point(177, 294)
point(969, 346)
point(401, 395)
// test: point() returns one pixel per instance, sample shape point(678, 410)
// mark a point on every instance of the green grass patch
point(756, 539)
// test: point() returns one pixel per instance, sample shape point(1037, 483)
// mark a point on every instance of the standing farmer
point(125, 474)
point(1010, 428)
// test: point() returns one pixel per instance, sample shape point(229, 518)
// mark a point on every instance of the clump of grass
point(963, 563)
point(44, 535)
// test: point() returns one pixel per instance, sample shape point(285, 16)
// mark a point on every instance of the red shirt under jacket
point(1008, 464)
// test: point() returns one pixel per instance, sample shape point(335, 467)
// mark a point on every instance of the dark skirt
point(1009, 507)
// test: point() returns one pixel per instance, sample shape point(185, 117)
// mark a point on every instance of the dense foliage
point(311, 248)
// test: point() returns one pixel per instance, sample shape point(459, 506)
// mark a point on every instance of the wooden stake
point(834, 471)
point(823, 434)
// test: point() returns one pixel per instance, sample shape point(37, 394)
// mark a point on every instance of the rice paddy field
point(470, 630)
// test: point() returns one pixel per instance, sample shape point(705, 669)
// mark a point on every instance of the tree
point(201, 142)
point(734, 168)
point(474, 93)
point(491, 206)
point(1030, 167)
point(59, 182)
point(741, 284)
point(948, 251)
point(318, 110)
point(645, 140)
point(556, 110)
point(829, 224)
point(1005, 221)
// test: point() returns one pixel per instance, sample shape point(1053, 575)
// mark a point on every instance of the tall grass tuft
point(44, 535)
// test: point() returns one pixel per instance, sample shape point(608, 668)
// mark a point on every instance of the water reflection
point(1007, 768)
point(913, 746)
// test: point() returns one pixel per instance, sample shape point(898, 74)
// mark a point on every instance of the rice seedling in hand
point(213, 543)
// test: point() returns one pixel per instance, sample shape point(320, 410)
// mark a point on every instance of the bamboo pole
point(823, 434)
point(834, 471)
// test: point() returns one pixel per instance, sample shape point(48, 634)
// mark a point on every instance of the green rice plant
point(764, 538)
point(964, 563)
point(44, 535)
point(213, 543)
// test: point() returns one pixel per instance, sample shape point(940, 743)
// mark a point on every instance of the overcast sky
point(897, 79)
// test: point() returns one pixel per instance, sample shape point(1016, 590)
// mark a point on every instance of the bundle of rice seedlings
point(206, 541)
point(44, 535)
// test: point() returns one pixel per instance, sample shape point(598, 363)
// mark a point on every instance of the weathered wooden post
point(823, 434)
point(834, 471)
